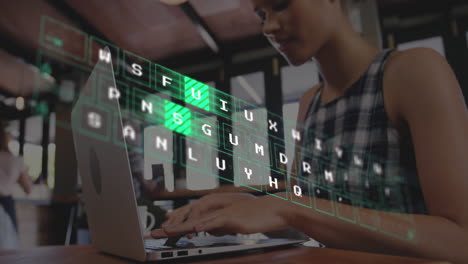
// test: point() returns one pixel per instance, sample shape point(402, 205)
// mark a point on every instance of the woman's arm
point(434, 237)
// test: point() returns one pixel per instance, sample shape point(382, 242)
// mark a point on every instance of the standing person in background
point(12, 171)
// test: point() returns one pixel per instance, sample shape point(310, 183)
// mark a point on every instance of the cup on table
point(143, 216)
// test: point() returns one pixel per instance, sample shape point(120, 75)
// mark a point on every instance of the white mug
point(143, 215)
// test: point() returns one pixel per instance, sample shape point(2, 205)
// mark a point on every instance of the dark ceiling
point(145, 27)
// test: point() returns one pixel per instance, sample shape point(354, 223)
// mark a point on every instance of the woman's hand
point(203, 206)
point(245, 217)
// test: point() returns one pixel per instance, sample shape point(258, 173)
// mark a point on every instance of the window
point(297, 80)
point(33, 159)
point(249, 87)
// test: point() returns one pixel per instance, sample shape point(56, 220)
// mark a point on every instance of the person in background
point(12, 171)
point(406, 107)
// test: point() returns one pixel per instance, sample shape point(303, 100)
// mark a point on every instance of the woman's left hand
point(244, 217)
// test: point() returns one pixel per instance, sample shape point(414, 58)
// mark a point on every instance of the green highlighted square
point(197, 93)
point(177, 118)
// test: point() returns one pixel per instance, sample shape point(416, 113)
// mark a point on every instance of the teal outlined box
point(259, 149)
point(302, 198)
point(108, 93)
point(98, 53)
point(139, 69)
point(235, 138)
point(95, 121)
point(220, 163)
point(169, 82)
point(345, 208)
point(398, 226)
point(368, 218)
point(293, 132)
point(205, 129)
point(323, 200)
point(148, 107)
point(273, 181)
point(249, 174)
point(275, 126)
point(63, 39)
point(132, 129)
point(159, 143)
point(197, 93)
point(222, 104)
point(252, 116)
point(177, 118)
point(194, 155)
point(280, 153)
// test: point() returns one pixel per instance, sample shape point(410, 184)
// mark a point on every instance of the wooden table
point(89, 255)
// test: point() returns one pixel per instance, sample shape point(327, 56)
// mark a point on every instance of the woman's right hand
point(202, 206)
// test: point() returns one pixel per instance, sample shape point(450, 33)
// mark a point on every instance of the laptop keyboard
point(205, 241)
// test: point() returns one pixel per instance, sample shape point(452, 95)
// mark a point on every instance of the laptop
point(109, 193)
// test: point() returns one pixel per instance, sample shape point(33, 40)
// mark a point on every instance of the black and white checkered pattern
point(357, 123)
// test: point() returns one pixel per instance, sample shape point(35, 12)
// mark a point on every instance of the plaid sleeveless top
point(352, 154)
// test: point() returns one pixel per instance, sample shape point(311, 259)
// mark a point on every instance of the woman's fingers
point(178, 216)
point(188, 226)
point(159, 233)
point(216, 226)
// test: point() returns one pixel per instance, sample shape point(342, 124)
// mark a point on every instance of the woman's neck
point(344, 59)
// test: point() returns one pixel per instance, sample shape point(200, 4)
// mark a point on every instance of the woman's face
point(298, 28)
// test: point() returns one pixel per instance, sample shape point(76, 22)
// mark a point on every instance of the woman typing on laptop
point(403, 106)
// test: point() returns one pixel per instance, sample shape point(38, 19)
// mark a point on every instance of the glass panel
point(436, 43)
point(290, 112)
point(261, 132)
point(196, 173)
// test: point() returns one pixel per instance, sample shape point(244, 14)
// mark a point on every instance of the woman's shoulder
point(407, 59)
point(415, 74)
point(415, 63)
